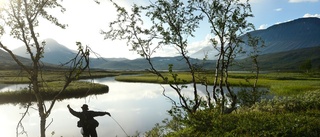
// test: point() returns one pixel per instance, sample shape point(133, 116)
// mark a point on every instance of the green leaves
point(171, 23)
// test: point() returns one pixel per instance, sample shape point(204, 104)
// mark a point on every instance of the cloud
point(263, 26)
point(85, 20)
point(197, 45)
point(278, 9)
point(203, 48)
point(311, 15)
point(299, 1)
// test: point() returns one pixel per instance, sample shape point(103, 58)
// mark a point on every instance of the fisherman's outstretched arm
point(75, 113)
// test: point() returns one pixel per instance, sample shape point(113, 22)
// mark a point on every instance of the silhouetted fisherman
point(87, 122)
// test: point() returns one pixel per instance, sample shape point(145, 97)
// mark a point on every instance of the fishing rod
point(119, 126)
point(115, 121)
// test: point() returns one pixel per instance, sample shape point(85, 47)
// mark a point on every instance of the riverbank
point(53, 82)
point(20, 77)
point(279, 83)
point(75, 90)
point(284, 116)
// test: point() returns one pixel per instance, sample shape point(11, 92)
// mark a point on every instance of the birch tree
point(173, 22)
point(228, 21)
point(21, 18)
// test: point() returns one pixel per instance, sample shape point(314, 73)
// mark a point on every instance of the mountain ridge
point(54, 52)
point(280, 38)
point(296, 34)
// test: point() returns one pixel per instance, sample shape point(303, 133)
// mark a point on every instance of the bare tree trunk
point(221, 81)
point(215, 83)
point(43, 125)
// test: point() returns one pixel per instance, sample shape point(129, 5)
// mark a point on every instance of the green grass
point(52, 83)
point(147, 78)
point(278, 83)
point(15, 76)
point(288, 87)
point(51, 89)
point(285, 116)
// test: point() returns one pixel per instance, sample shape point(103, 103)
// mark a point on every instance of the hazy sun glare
point(2, 2)
point(4, 131)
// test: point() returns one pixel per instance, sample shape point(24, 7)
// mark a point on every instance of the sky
point(86, 19)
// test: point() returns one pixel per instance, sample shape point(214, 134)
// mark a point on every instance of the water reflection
point(136, 106)
point(10, 87)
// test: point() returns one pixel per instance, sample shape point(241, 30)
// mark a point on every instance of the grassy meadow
point(279, 83)
point(295, 113)
point(53, 82)
point(17, 76)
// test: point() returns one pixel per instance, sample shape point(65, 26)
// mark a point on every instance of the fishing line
point(119, 126)
point(114, 121)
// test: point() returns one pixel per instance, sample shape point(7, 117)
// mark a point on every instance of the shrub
point(307, 101)
point(205, 123)
point(281, 116)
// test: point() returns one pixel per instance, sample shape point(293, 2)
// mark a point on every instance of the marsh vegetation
point(218, 110)
point(293, 110)
point(279, 83)
point(53, 81)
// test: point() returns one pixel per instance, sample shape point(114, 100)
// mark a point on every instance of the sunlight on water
point(7, 87)
point(3, 127)
point(135, 106)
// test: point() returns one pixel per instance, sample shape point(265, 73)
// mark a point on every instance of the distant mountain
point(209, 51)
point(290, 44)
point(297, 34)
point(287, 46)
point(160, 63)
point(54, 52)
point(285, 61)
point(6, 61)
point(116, 64)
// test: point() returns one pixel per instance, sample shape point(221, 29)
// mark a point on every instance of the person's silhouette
point(87, 122)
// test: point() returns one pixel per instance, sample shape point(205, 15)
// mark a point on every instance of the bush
point(307, 101)
point(286, 116)
point(204, 124)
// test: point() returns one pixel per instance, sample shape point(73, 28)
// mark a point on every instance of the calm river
point(135, 106)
